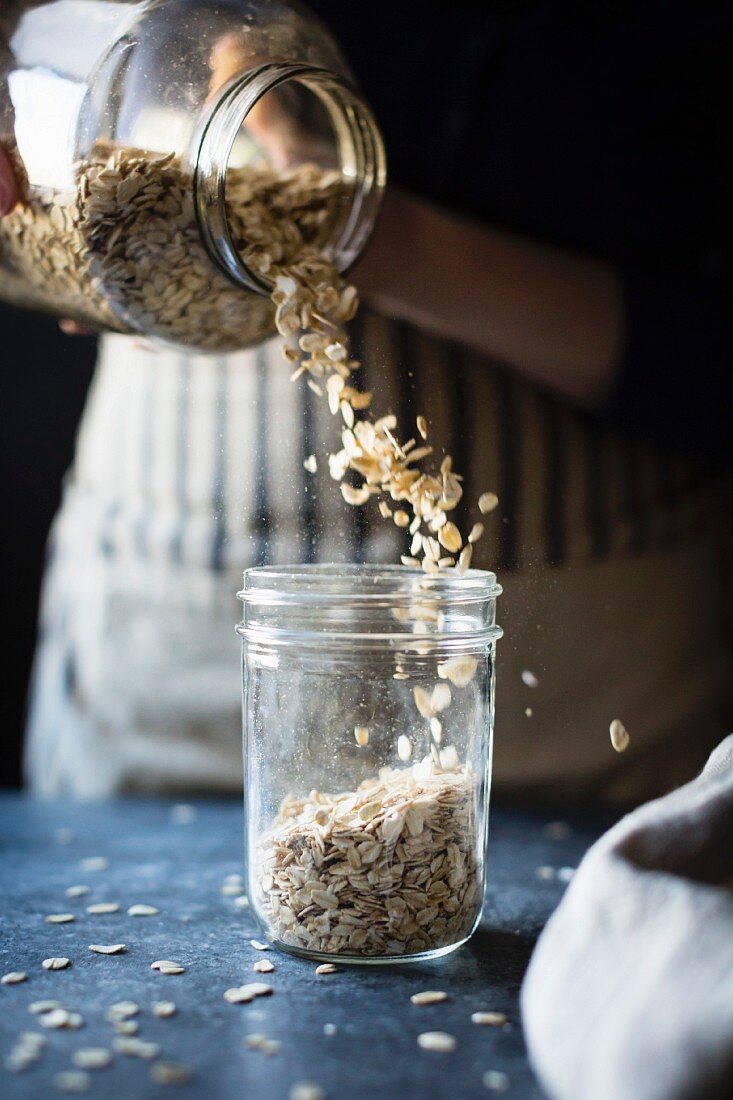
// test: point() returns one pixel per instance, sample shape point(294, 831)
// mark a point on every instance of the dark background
point(43, 382)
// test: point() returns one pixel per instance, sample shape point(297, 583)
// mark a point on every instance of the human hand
point(9, 192)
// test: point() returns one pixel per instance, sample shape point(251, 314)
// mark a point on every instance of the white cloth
point(629, 994)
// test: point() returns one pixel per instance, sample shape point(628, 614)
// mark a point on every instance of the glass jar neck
point(359, 145)
point(362, 607)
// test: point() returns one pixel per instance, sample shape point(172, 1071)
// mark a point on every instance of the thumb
point(9, 193)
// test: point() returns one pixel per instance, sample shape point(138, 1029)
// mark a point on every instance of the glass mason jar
point(164, 145)
point(368, 717)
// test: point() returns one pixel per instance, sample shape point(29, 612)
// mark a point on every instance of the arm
point(555, 316)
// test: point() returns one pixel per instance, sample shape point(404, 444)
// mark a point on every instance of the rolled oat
point(392, 871)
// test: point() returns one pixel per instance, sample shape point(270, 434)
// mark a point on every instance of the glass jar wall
point(368, 717)
point(171, 152)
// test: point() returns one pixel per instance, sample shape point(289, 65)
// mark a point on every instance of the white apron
point(190, 468)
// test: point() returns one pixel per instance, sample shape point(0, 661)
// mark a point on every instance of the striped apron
point(190, 468)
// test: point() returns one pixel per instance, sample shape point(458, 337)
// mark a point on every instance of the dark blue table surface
point(180, 869)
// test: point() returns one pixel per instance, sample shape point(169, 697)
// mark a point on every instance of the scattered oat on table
point(122, 1010)
point(94, 863)
point(142, 911)
point(163, 966)
point(108, 949)
point(264, 966)
point(102, 907)
point(37, 1007)
point(429, 997)
point(488, 1019)
point(164, 1009)
point(262, 1043)
point(545, 873)
point(495, 1080)
point(92, 1058)
point(60, 1018)
point(59, 918)
point(619, 735)
point(125, 1027)
point(329, 1029)
point(170, 1073)
point(77, 891)
point(529, 679)
point(15, 977)
point(25, 1052)
point(135, 1048)
point(439, 1041)
point(327, 968)
point(231, 889)
point(306, 1090)
point(243, 994)
point(56, 962)
point(260, 945)
point(70, 1080)
point(311, 464)
point(528, 712)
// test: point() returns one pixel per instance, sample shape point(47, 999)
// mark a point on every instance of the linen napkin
point(629, 993)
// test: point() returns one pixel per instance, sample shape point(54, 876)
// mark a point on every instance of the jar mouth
point(333, 582)
point(358, 606)
point(361, 151)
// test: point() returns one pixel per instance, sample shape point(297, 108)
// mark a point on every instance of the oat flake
point(429, 997)
point(91, 1058)
point(73, 1081)
point(170, 1073)
point(439, 1041)
point(15, 977)
point(57, 962)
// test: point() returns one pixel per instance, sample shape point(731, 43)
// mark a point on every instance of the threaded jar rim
point(369, 605)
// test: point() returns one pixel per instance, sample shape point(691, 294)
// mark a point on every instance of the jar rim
point(362, 583)
point(360, 142)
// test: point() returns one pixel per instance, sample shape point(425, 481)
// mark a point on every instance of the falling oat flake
point(619, 735)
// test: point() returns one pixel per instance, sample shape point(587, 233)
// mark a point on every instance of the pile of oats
point(122, 248)
point(389, 869)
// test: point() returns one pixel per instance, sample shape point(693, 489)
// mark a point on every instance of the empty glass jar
point(368, 716)
point(171, 153)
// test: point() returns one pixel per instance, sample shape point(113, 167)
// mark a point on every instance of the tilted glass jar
point(368, 704)
point(152, 138)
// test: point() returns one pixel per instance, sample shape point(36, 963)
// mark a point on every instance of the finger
point(9, 194)
point(73, 328)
